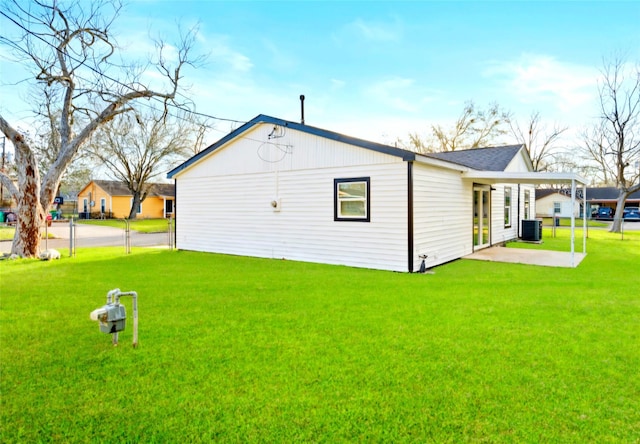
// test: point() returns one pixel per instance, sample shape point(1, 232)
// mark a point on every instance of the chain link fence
point(626, 224)
point(70, 235)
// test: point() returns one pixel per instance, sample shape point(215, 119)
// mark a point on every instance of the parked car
point(11, 218)
point(631, 214)
point(604, 213)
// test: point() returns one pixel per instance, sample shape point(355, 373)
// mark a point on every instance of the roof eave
point(432, 161)
point(490, 177)
point(260, 119)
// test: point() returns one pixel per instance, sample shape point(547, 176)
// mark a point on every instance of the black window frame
point(336, 183)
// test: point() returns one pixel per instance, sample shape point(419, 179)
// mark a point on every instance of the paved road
point(94, 236)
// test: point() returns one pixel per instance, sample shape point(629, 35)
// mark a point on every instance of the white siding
point(224, 204)
point(545, 206)
point(518, 163)
point(532, 201)
point(226, 210)
point(255, 152)
point(443, 218)
point(500, 233)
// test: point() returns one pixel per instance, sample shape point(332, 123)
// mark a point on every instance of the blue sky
point(379, 70)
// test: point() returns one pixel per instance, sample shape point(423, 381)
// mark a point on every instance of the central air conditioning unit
point(532, 230)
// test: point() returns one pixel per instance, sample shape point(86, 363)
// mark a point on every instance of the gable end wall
point(225, 202)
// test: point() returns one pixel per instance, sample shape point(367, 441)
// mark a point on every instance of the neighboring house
point(608, 196)
point(279, 189)
point(550, 202)
point(111, 199)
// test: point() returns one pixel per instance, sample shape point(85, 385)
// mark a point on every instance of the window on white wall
point(557, 207)
point(527, 204)
point(507, 207)
point(352, 199)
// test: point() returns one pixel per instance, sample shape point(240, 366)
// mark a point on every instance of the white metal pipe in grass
point(135, 313)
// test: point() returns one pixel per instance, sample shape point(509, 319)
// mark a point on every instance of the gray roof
point(593, 194)
point(495, 158)
point(115, 188)
point(544, 192)
point(487, 159)
point(607, 193)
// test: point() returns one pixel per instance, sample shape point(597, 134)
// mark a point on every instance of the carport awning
point(492, 177)
point(489, 177)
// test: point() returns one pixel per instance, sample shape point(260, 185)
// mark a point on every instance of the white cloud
point(377, 31)
point(389, 31)
point(399, 93)
point(279, 59)
point(337, 84)
point(221, 52)
point(540, 79)
point(138, 45)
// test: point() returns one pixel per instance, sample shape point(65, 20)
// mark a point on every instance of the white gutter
point(431, 161)
point(519, 177)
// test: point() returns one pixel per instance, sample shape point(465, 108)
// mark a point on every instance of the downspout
point(518, 217)
point(410, 216)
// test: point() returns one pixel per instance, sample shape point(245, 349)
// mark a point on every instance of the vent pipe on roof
point(302, 109)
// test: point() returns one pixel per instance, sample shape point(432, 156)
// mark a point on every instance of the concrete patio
point(530, 257)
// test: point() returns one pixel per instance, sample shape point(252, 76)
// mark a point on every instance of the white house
point(279, 189)
point(558, 203)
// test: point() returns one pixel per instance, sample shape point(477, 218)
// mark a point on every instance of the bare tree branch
point(614, 142)
point(473, 128)
point(69, 49)
point(539, 141)
point(135, 148)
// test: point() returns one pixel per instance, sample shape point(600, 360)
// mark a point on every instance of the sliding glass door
point(481, 217)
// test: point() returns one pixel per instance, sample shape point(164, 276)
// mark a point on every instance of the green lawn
point(6, 233)
point(236, 349)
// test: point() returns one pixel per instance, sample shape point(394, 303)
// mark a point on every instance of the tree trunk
point(616, 226)
point(135, 203)
point(26, 240)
